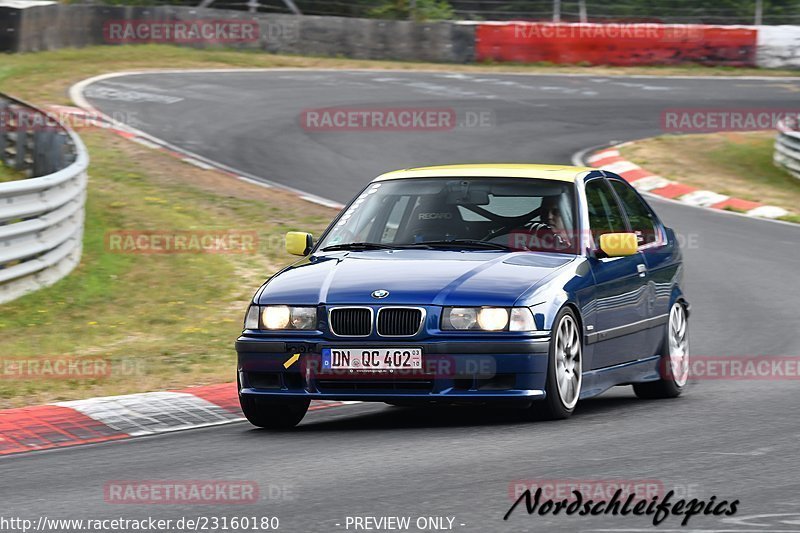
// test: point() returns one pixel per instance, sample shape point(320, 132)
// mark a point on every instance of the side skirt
point(600, 380)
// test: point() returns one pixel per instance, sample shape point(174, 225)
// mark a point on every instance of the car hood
point(412, 277)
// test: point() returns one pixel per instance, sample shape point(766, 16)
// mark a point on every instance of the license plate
point(372, 359)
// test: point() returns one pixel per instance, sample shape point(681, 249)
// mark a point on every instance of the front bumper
point(481, 371)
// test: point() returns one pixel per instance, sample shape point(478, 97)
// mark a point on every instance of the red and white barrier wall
point(778, 46)
point(63, 25)
point(628, 44)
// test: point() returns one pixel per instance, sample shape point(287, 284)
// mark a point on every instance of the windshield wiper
point(473, 243)
point(359, 246)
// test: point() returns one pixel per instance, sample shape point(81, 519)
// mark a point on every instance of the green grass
point(44, 76)
point(9, 174)
point(734, 164)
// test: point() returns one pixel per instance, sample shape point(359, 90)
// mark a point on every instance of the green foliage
point(401, 9)
point(9, 174)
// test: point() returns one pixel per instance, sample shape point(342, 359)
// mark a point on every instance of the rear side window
point(604, 213)
point(640, 216)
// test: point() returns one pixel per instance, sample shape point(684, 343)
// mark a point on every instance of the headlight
point(463, 317)
point(281, 317)
point(493, 318)
point(303, 318)
point(276, 317)
point(488, 319)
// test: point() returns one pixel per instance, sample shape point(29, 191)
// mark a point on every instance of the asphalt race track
point(733, 439)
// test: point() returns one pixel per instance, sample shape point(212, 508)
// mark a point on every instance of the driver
point(553, 221)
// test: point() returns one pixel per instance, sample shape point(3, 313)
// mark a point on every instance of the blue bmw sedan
point(529, 286)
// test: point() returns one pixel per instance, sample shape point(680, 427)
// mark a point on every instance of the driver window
point(640, 217)
point(604, 213)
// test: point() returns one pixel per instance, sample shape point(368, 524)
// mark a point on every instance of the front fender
point(678, 296)
point(574, 286)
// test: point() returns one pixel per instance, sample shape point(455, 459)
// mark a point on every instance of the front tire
point(273, 413)
point(564, 369)
point(674, 363)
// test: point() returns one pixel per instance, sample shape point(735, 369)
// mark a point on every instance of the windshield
point(512, 213)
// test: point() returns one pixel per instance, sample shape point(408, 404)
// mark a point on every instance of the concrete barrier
point(59, 26)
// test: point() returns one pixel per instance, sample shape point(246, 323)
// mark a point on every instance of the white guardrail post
point(41, 217)
point(787, 148)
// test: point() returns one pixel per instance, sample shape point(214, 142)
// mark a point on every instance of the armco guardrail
point(787, 149)
point(41, 217)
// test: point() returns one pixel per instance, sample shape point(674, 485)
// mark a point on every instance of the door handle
point(641, 269)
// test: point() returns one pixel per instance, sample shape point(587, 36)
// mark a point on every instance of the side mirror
point(299, 242)
point(618, 244)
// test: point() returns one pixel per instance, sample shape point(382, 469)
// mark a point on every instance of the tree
point(423, 10)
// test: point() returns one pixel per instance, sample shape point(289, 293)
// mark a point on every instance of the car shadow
point(434, 416)
point(417, 417)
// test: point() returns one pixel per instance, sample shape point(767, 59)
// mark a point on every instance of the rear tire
point(564, 370)
point(674, 363)
point(272, 413)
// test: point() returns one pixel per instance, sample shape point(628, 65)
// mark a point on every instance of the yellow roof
point(507, 170)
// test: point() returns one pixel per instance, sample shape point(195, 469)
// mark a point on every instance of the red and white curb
point(111, 418)
point(645, 181)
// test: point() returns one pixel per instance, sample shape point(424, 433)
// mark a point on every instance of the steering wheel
point(553, 239)
point(414, 232)
point(523, 221)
